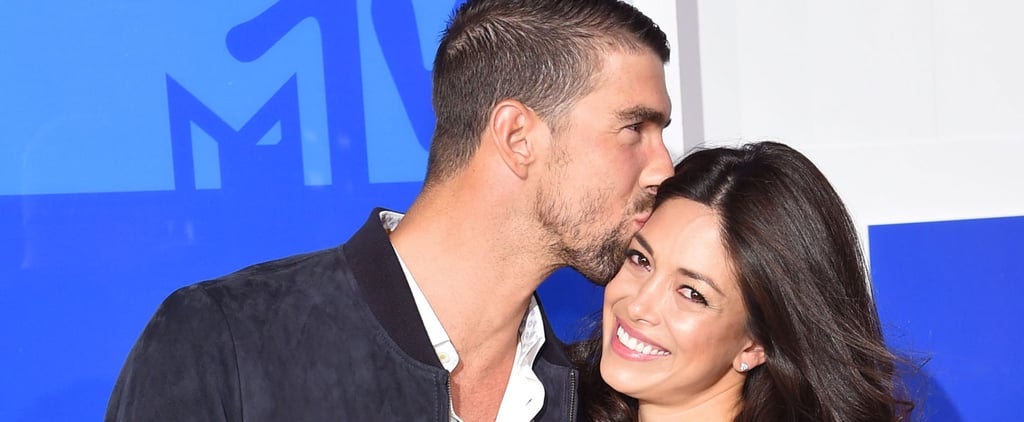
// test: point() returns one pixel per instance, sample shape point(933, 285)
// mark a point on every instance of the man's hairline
point(557, 120)
point(601, 50)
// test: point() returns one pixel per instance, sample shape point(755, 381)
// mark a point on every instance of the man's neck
point(476, 267)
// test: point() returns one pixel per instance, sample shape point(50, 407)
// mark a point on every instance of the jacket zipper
point(572, 395)
point(448, 409)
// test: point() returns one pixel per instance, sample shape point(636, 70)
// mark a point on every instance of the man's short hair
point(546, 54)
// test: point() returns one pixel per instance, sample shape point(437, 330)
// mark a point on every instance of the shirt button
point(444, 357)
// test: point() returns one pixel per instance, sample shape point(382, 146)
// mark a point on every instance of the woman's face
point(674, 321)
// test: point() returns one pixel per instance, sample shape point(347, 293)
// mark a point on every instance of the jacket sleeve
point(182, 368)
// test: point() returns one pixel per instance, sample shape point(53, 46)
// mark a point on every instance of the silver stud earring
point(744, 367)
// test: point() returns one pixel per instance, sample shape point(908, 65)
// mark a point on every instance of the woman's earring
point(744, 367)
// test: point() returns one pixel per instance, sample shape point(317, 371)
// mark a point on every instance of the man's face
point(606, 163)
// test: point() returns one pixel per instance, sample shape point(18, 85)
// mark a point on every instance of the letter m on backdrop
point(211, 154)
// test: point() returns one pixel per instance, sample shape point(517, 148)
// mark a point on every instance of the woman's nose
point(643, 304)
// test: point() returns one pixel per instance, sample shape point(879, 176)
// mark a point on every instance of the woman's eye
point(638, 259)
point(693, 295)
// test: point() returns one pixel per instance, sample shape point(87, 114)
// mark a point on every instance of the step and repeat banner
point(145, 146)
point(149, 145)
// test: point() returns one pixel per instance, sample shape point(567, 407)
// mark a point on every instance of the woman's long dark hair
point(805, 286)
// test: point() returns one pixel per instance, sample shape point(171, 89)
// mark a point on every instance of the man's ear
point(750, 357)
point(508, 126)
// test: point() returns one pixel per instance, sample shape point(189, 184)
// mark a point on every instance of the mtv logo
point(250, 122)
point(309, 92)
point(396, 42)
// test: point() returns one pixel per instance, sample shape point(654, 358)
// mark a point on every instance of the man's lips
point(642, 219)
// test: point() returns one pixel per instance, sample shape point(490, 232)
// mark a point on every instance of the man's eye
point(635, 127)
point(638, 259)
point(693, 295)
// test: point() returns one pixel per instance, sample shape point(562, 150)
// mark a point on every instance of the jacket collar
point(553, 350)
point(380, 277)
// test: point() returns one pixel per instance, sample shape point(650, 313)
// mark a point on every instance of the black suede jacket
point(332, 335)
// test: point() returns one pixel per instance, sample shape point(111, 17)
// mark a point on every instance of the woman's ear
point(508, 126)
point(750, 357)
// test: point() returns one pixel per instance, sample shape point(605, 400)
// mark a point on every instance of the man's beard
point(598, 256)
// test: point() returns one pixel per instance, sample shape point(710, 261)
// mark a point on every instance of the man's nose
point(659, 167)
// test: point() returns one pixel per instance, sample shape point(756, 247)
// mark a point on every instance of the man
point(546, 153)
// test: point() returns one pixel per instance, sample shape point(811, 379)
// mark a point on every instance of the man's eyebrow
point(643, 114)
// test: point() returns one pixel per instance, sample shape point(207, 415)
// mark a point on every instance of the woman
point(745, 297)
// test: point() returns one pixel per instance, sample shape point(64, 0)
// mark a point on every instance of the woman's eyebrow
point(686, 272)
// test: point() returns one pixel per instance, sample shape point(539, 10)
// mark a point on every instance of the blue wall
point(150, 145)
point(949, 295)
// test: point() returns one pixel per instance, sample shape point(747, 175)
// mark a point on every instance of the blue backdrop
point(149, 145)
point(949, 293)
